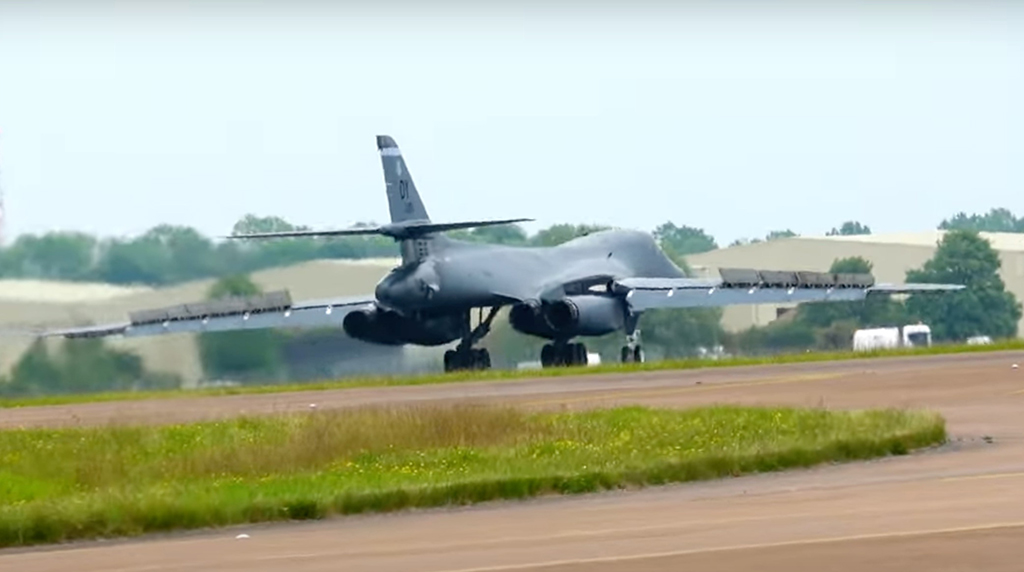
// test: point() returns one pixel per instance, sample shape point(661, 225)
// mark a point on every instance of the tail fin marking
point(403, 199)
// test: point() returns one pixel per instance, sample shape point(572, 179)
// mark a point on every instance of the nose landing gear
point(633, 351)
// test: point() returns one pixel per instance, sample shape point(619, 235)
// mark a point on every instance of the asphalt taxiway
point(958, 507)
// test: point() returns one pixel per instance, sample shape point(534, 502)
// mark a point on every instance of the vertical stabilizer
point(403, 199)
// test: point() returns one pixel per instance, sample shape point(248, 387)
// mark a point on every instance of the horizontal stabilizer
point(397, 231)
point(310, 233)
point(447, 226)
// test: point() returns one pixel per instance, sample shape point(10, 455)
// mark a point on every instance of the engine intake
point(587, 315)
point(562, 315)
point(390, 328)
point(371, 326)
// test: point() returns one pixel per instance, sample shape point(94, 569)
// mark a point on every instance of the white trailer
point(910, 335)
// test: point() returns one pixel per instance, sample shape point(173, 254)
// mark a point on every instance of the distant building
point(31, 302)
point(891, 254)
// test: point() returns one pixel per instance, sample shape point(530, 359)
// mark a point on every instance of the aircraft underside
point(559, 322)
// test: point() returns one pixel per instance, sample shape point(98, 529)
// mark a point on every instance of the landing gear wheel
point(456, 360)
point(547, 355)
point(481, 359)
point(579, 354)
point(632, 355)
point(554, 355)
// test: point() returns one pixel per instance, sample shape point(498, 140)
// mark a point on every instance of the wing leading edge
point(742, 286)
point(272, 310)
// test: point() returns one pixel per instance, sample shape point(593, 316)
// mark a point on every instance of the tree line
point(170, 254)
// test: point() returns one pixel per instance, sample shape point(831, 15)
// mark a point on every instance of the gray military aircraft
point(590, 286)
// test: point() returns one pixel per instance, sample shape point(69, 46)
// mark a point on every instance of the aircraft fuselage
point(461, 275)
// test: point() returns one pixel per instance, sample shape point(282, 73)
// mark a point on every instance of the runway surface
point(959, 507)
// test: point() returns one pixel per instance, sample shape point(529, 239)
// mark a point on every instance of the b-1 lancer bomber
point(589, 286)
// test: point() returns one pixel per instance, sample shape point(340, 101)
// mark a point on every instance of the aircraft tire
point(482, 359)
point(547, 355)
point(567, 357)
point(473, 359)
point(633, 355)
point(579, 354)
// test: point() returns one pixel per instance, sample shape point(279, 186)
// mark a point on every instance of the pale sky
point(115, 117)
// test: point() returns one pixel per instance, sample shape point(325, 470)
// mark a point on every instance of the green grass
point(65, 484)
point(427, 379)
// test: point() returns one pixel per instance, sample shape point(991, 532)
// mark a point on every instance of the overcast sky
point(115, 117)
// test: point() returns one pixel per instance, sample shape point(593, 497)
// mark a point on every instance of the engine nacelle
point(390, 328)
point(569, 317)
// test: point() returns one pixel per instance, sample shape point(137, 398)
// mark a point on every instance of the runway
point(959, 507)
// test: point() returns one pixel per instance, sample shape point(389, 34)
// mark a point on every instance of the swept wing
point(272, 310)
point(744, 286)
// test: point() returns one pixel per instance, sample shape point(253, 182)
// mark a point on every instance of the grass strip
point(492, 375)
point(66, 484)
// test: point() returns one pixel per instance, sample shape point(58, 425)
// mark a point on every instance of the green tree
point(561, 233)
point(251, 255)
point(52, 256)
point(165, 254)
point(783, 335)
point(35, 372)
point(995, 220)
point(252, 224)
point(777, 234)
point(677, 332)
point(744, 241)
point(984, 307)
point(874, 312)
point(849, 228)
point(837, 336)
point(81, 366)
point(246, 354)
point(133, 262)
point(501, 234)
point(356, 247)
point(679, 241)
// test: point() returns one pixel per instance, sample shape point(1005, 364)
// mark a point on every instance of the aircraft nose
point(383, 293)
point(410, 291)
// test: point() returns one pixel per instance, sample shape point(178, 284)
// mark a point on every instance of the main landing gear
point(563, 354)
point(554, 354)
point(465, 356)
